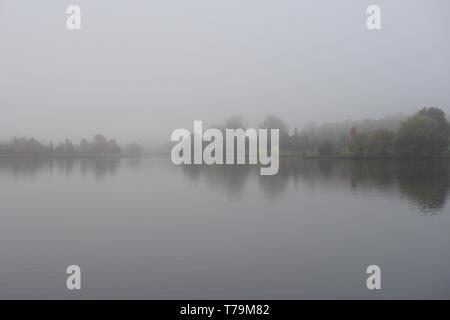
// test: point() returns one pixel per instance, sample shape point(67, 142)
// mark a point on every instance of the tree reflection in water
point(425, 183)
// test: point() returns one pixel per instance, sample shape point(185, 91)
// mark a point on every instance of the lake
point(145, 228)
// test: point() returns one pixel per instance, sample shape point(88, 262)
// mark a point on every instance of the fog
point(139, 69)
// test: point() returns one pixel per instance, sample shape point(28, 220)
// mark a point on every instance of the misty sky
point(139, 69)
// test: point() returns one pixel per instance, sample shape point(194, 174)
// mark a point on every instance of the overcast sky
point(140, 69)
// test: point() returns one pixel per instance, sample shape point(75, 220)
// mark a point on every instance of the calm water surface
point(144, 228)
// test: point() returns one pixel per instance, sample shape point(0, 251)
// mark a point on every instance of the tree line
point(425, 134)
point(98, 146)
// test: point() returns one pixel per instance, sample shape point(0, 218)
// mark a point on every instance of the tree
point(295, 141)
point(353, 132)
point(379, 143)
point(325, 148)
point(113, 147)
point(357, 145)
point(341, 142)
point(421, 136)
point(273, 122)
point(69, 148)
point(100, 144)
point(438, 115)
point(84, 146)
point(31, 146)
point(235, 122)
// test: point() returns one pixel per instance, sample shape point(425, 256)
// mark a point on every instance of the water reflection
point(33, 167)
point(232, 178)
point(425, 183)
